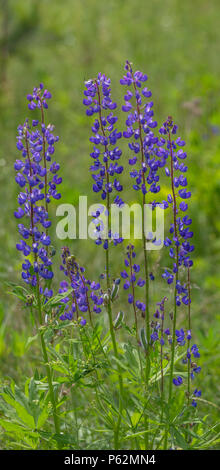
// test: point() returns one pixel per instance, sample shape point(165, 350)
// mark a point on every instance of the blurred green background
point(64, 43)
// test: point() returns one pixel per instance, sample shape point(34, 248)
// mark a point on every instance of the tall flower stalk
point(170, 127)
point(189, 336)
point(98, 101)
point(179, 246)
point(139, 128)
point(36, 143)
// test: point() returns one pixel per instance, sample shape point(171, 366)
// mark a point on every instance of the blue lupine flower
point(197, 393)
point(154, 336)
point(180, 334)
point(178, 381)
point(195, 351)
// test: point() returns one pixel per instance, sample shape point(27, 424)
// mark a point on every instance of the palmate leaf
point(15, 428)
point(178, 438)
point(28, 409)
point(19, 291)
point(106, 416)
point(22, 413)
point(21, 433)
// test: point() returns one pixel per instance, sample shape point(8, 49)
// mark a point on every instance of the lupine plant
point(120, 367)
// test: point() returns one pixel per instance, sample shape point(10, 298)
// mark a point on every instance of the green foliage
point(86, 388)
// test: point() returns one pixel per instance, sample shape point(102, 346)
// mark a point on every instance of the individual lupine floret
point(178, 381)
point(196, 393)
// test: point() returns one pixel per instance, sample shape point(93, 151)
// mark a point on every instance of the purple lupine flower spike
point(180, 233)
point(32, 210)
point(178, 242)
point(106, 154)
point(142, 142)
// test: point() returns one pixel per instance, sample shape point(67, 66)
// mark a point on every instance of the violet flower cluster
point(180, 232)
point(140, 124)
point(179, 241)
point(38, 185)
point(106, 154)
point(86, 295)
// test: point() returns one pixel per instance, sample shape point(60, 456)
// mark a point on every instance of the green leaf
point(19, 291)
point(179, 438)
point(56, 300)
point(30, 340)
point(21, 411)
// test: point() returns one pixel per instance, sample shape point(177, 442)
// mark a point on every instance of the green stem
point(161, 368)
point(147, 323)
point(188, 344)
point(134, 308)
point(46, 363)
point(115, 349)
